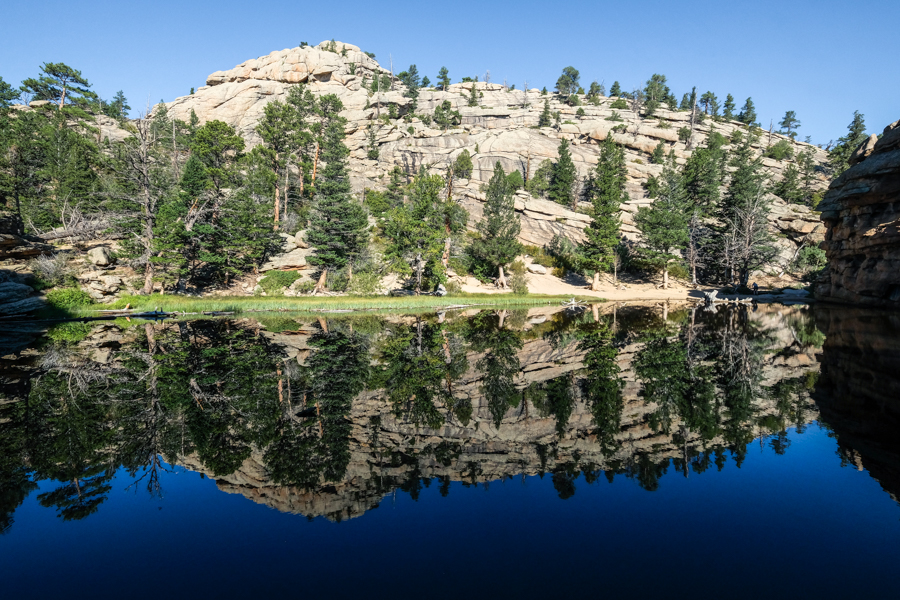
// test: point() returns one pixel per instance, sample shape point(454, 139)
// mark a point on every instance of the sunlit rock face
point(501, 127)
point(858, 392)
point(861, 211)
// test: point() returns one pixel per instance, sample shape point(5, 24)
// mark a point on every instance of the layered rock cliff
point(503, 127)
point(861, 212)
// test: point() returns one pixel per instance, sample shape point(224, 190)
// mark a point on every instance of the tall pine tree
point(338, 224)
point(562, 182)
point(607, 195)
point(664, 225)
point(499, 227)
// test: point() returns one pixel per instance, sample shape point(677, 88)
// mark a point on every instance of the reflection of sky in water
point(459, 510)
point(796, 524)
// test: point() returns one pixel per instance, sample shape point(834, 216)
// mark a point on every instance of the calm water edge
point(642, 451)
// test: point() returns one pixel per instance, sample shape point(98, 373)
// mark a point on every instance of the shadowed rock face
point(861, 211)
point(858, 392)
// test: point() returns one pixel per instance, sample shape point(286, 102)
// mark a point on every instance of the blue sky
point(823, 58)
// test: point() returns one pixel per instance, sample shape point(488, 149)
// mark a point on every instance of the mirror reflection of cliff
point(326, 416)
point(858, 392)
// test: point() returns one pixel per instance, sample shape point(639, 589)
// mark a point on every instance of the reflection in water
point(326, 416)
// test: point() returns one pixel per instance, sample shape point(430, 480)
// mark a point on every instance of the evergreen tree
point(703, 173)
point(664, 225)
point(743, 240)
point(658, 156)
point(616, 89)
point(748, 113)
point(728, 108)
point(562, 182)
point(443, 78)
point(117, 108)
point(607, 195)
point(395, 187)
point(789, 124)
point(474, 95)
point(839, 156)
point(499, 226)
point(685, 102)
point(544, 119)
point(426, 83)
point(567, 84)
point(656, 92)
point(278, 130)
point(338, 225)
point(788, 188)
point(410, 79)
point(60, 82)
point(594, 92)
point(7, 95)
point(416, 231)
point(445, 116)
point(462, 166)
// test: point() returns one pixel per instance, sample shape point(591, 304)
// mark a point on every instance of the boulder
point(16, 298)
point(100, 256)
point(537, 269)
point(295, 259)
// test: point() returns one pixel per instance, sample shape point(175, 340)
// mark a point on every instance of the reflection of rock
point(861, 211)
point(17, 298)
point(526, 441)
point(858, 391)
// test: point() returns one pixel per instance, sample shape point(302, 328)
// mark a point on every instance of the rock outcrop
point(502, 127)
point(861, 212)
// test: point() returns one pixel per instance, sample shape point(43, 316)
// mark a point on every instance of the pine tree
point(656, 92)
point(544, 119)
point(410, 78)
point(462, 166)
point(728, 108)
point(473, 96)
point(278, 130)
point(748, 113)
point(703, 173)
point(562, 182)
point(7, 95)
point(117, 108)
point(839, 156)
point(615, 90)
point(788, 189)
point(789, 124)
point(743, 240)
point(499, 226)
point(658, 156)
point(58, 83)
point(607, 195)
point(567, 84)
point(443, 78)
point(426, 83)
point(664, 225)
point(685, 102)
point(338, 225)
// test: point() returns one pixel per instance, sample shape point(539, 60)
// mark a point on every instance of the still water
point(646, 451)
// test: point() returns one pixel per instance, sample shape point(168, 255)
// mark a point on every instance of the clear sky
point(821, 58)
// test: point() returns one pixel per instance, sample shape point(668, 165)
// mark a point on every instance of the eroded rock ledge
point(861, 211)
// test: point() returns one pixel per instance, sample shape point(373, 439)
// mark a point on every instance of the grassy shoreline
point(243, 304)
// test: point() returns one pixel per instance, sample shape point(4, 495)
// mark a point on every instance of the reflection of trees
point(602, 385)
point(500, 363)
point(421, 364)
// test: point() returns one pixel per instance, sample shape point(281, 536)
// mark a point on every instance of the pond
point(647, 451)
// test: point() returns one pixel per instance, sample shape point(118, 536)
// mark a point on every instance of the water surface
point(656, 451)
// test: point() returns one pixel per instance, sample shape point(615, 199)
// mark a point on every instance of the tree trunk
point(349, 272)
point(320, 286)
point(418, 274)
point(595, 311)
point(315, 164)
point(501, 281)
point(595, 284)
point(666, 277)
point(148, 278)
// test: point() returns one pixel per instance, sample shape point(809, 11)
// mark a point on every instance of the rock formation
point(503, 127)
point(861, 211)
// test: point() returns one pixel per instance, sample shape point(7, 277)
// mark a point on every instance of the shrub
point(274, 281)
point(558, 272)
point(781, 150)
point(619, 103)
point(462, 167)
point(678, 271)
point(453, 288)
point(811, 257)
point(684, 134)
point(365, 284)
point(540, 256)
point(410, 130)
point(515, 179)
point(50, 271)
point(69, 333)
point(580, 112)
point(517, 280)
point(68, 298)
point(377, 202)
point(614, 117)
point(306, 287)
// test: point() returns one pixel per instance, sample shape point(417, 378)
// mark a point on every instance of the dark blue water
point(801, 516)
